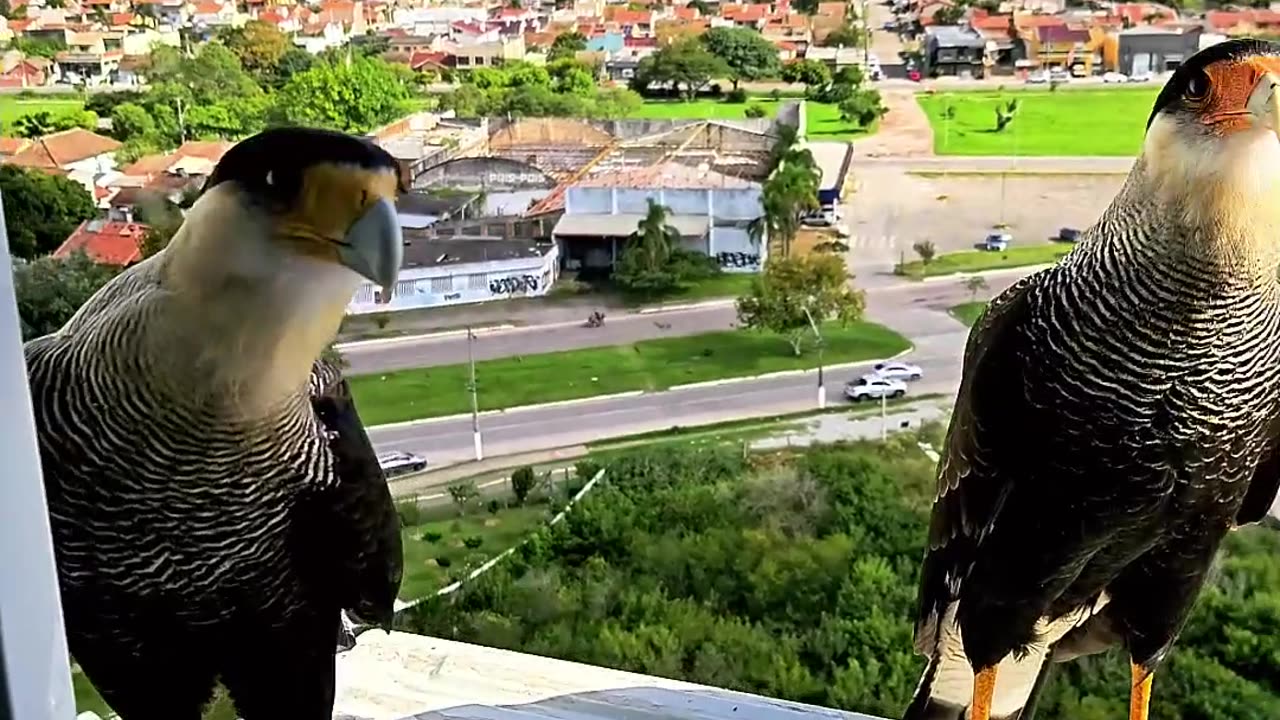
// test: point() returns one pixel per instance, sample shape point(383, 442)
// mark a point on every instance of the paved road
point(886, 304)
point(918, 312)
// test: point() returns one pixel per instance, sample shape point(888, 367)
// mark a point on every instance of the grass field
point(13, 107)
point(1075, 122)
point(968, 313)
point(822, 120)
point(646, 365)
point(443, 538)
point(979, 260)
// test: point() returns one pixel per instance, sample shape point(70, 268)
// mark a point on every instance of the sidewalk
point(444, 475)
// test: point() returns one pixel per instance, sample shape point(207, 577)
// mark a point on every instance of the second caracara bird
point(1118, 412)
point(215, 501)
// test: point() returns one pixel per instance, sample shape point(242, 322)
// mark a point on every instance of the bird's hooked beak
point(1264, 102)
point(374, 246)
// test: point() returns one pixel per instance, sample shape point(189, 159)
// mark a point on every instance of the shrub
point(522, 482)
point(494, 506)
point(443, 561)
point(432, 536)
point(736, 95)
point(754, 111)
point(471, 542)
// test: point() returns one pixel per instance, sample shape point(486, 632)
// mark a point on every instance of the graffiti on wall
point(513, 284)
point(738, 260)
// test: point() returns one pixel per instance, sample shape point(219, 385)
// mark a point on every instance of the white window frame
point(35, 676)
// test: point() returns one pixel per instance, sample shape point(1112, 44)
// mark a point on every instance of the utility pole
point(822, 387)
point(866, 36)
point(475, 403)
point(884, 421)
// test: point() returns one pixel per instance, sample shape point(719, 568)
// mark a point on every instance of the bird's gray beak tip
point(375, 245)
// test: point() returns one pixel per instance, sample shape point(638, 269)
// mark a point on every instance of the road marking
point(401, 339)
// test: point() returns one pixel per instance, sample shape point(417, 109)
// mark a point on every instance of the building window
point(406, 288)
point(479, 281)
point(441, 285)
point(364, 294)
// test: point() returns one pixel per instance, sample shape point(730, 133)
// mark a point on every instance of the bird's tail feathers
point(945, 691)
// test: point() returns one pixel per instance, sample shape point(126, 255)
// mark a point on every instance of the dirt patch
point(903, 132)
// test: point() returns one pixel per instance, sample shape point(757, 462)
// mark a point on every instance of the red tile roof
point(9, 146)
point(105, 241)
point(118, 19)
point(624, 16)
point(1224, 20)
point(62, 148)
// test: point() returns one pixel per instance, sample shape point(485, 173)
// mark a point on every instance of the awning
point(622, 225)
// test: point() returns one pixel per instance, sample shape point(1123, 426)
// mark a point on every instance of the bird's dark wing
point(1265, 482)
point(972, 482)
point(351, 527)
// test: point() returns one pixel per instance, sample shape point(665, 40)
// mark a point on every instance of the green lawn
point(13, 107)
point(822, 120)
point(979, 260)
point(1071, 122)
point(646, 365)
point(968, 313)
point(497, 532)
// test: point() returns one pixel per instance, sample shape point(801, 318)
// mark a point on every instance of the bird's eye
point(364, 198)
point(1197, 86)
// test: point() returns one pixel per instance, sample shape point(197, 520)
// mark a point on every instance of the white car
point(1038, 78)
point(1114, 77)
point(873, 387)
point(1059, 75)
point(398, 463)
point(895, 370)
point(1141, 76)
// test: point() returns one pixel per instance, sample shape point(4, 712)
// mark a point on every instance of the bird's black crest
point(1238, 49)
point(283, 154)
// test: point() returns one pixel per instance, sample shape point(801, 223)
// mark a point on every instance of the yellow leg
point(984, 686)
point(1140, 694)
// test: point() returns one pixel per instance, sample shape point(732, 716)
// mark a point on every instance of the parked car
point(1059, 75)
point(872, 387)
point(1068, 234)
point(1114, 77)
point(997, 242)
point(1038, 78)
point(896, 370)
point(398, 463)
point(1140, 76)
point(823, 217)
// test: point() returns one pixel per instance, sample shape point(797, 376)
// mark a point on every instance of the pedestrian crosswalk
point(871, 242)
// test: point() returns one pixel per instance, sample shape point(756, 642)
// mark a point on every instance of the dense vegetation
point(795, 577)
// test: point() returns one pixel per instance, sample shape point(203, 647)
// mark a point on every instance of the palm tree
point(654, 238)
point(789, 193)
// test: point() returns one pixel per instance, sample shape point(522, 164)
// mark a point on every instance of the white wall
point(463, 283)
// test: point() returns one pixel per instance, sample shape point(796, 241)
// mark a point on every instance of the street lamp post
point(475, 402)
point(822, 387)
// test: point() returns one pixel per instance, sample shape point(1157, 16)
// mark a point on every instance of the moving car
point(1068, 234)
point(1114, 77)
point(896, 370)
point(872, 387)
point(997, 242)
point(1141, 76)
point(397, 462)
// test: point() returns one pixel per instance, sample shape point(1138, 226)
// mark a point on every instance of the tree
point(42, 122)
point(567, 46)
point(352, 97)
point(746, 53)
point(813, 73)
point(50, 290)
point(844, 36)
point(975, 284)
point(793, 290)
point(462, 493)
point(258, 45)
point(950, 14)
point(295, 60)
point(523, 481)
point(130, 120)
point(685, 64)
point(41, 210)
point(1005, 113)
point(701, 6)
point(926, 250)
point(644, 267)
point(862, 106)
point(790, 192)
